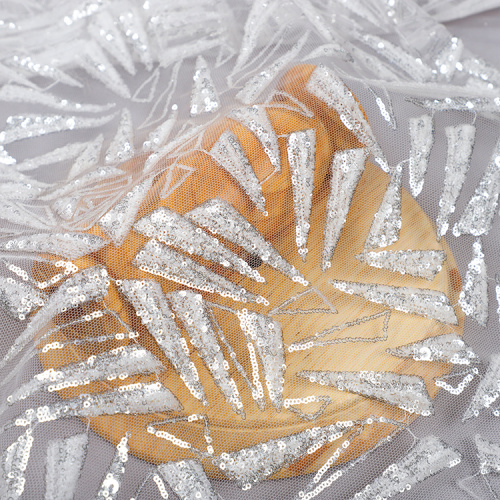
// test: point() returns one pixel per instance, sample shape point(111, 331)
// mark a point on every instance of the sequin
point(460, 103)
point(489, 455)
point(88, 158)
point(419, 263)
point(481, 70)
point(460, 144)
point(131, 25)
point(113, 478)
point(160, 134)
point(424, 302)
point(121, 148)
point(347, 168)
point(448, 57)
point(19, 299)
point(422, 139)
point(204, 98)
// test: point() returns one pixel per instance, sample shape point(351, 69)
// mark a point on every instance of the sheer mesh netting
point(247, 251)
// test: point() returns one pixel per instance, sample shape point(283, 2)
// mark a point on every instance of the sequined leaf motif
point(70, 245)
point(131, 25)
point(477, 216)
point(250, 466)
point(188, 479)
point(473, 298)
point(424, 302)
point(204, 98)
point(429, 456)
point(192, 311)
point(407, 392)
point(386, 224)
point(122, 362)
point(221, 218)
point(255, 118)
point(481, 70)
point(301, 150)
point(346, 169)
point(283, 307)
point(448, 59)
point(13, 465)
point(419, 263)
point(489, 455)
point(267, 337)
point(19, 299)
point(460, 144)
point(65, 457)
point(448, 348)
point(178, 231)
point(118, 222)
point(161, 260)
point(151, 306)
point(488, 390)
point(422, 139)
point(113, 478)
point(330, 89)
point(160, 134)
point(459, 103)
point(88, 158)
point(26, 126)
point(230, 155)
point(122, 146)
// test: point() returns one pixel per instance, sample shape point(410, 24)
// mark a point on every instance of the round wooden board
point(229, 432)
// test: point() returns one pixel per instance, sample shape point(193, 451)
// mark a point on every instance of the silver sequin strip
point(191, 309)
point(221, 218)
point(204, 98)
point(151, 306)
point(256, 120)
point(424, 302)
point(301, 150)
point(118, 222)
point(178, 231)
point(488, 390)
point(19, 299)
point(386, 224)
point(419, 263)
point(130, 22)
point(477, 216)
point(347, 168)
point(122, 146)
point(163, 261)
point(330, 89)
point(489, 455)
point(407, 392)
point(448, 57)
point(422, 139)
point(230, 155)
point(460, 103)
point(188, 480)
point(448, 348)
point(429, 456)
point(113, 478)
point(460, 144)
point(473, 298)
point(65, 457)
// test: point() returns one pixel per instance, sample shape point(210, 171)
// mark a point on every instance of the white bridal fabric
point(104, 103)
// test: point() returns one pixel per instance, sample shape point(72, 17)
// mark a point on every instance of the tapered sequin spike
point(151, 306)
point(70, 245)
point(448, 348)
point(221, 218)
point(204, 98)
point(88, 158)
point(230, 155)
point(407, 392)
point(13, 465)
point(88, 285)
point(173, 229)
point(330, 89)
point(429, 303)
point(386, 224)
point(65, 459)
point(460, 145)
point(161, 260)
point(419, 263)
point(192, 311)
point(429, 456)
point(301, 150)
point(118, 222)
point(489, 455)
point(250, 466)
point(267, 337)
point(131, 25)
point(488, 390)
point(346, 168)
point(422, 139)
point(473, 298)
point(120, 362)
point(477, 216)
point(113, 478)
point(255, 118)
point(18, 298)
point(188, 479)
point(122, 146)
